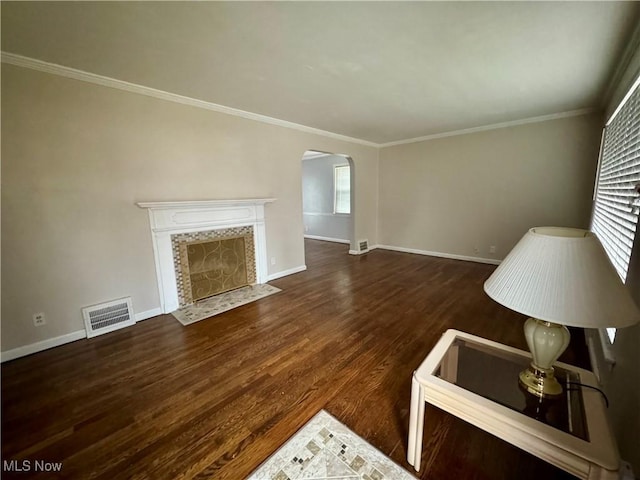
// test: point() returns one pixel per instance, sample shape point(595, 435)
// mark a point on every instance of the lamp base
point(546, 341)
point(540, 382)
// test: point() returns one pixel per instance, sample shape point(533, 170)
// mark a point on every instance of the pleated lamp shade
point(562, 275)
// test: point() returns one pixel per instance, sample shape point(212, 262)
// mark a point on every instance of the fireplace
point(206, 247)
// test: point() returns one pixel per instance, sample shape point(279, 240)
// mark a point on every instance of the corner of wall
point(377, 223)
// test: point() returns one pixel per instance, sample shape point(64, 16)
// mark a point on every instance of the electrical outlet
point(492, 249)
point(306, 228)
point(39, 319)
point(273, 260)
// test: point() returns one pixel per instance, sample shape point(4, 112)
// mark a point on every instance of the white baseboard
point(154, 312)
point(284, 273)
point(491, 261)
point(43, 345)
point(328, 239)
point(62, 339)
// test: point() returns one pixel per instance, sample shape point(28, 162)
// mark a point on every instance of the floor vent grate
point(107, 317)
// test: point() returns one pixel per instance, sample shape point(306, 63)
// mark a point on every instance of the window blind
point(342, 184)
point(615, 215)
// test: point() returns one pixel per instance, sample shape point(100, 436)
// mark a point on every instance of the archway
point(326, 214)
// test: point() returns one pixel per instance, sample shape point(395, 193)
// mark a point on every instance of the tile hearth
point(222, 303)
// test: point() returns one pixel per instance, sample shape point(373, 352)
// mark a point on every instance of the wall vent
point(109, 316)
point(363, 246)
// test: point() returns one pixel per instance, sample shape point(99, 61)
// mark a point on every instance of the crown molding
point(494, 126)
point(55, 69)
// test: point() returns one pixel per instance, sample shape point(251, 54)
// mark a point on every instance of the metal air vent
point(109, 316)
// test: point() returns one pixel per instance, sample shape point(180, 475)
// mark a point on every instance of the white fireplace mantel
point(169, 218)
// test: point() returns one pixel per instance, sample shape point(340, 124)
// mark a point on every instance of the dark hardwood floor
point(215, 399)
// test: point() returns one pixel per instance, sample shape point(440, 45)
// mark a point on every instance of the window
point(611, 334)
point(615, 211)
point(342, 189)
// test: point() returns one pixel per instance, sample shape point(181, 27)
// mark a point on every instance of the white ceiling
point(379, 71)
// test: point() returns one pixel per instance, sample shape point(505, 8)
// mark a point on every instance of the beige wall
point(622, 382)
point(453, 194)
point(76, 157)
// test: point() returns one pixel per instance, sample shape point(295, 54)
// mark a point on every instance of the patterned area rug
point(325, 449)
point(223, 302)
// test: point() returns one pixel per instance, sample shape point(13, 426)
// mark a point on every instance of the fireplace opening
point(211, 262)
point(216, 266)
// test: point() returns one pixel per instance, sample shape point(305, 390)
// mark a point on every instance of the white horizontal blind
point(615, 218)
point(342, 183)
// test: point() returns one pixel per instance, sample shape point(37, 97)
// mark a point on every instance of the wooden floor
point(214, 399)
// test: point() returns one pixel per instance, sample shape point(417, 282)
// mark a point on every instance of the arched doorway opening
point(328, 197)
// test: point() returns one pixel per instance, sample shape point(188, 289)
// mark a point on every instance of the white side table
point(477, 380)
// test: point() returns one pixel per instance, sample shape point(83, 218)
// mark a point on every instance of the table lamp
point(559, 276)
